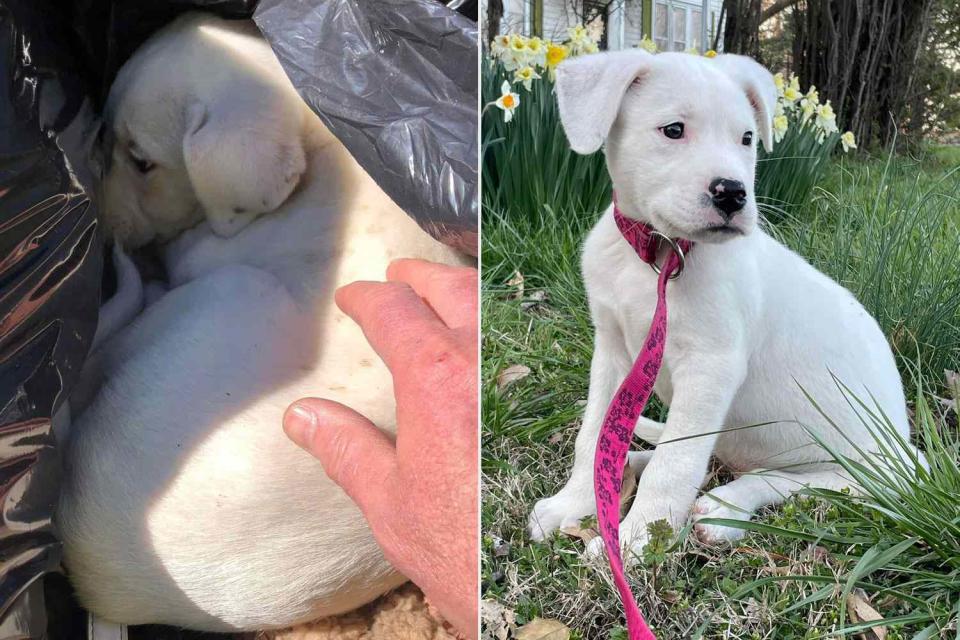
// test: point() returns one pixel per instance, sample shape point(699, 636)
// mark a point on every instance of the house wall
point(558, 17)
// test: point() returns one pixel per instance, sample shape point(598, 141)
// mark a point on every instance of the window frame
point(687, 6)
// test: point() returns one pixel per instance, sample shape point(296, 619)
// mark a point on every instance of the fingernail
point(300, 423)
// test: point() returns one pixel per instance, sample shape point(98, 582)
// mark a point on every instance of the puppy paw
point(557, 512)
point(707, 507)
point(633, 540)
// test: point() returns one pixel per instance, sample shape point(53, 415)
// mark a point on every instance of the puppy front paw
point(633, 540)
point(557, 512)
point(708, 507)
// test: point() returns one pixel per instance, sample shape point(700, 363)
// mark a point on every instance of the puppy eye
point(747, 139)
point(142, 164)
point(674, 130)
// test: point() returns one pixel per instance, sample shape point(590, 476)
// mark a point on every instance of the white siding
point(513, 17)
point(558, 17)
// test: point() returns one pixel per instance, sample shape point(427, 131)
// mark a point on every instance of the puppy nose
point(729, 196)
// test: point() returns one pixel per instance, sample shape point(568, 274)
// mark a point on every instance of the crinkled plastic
point(395, 80)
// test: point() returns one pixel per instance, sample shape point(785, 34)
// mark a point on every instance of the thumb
point(353, 451)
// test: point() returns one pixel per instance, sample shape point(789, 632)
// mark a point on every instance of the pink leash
point(627, 405)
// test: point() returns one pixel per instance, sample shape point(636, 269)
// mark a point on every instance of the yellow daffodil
point(556, 53)
point(526, 76)
point(795, 83)
point(710, 53)
point(780, 126)
point(813, 95)
point(778, 83)
point(791, 95)
point(518, 43)
point(507, 102)
point(848, 141)
point(647, 45)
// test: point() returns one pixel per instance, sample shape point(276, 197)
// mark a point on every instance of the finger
point(395, 320)
point(356, 455)
point(450, 291)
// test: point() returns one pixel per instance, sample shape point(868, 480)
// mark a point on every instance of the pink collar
point(646, 240)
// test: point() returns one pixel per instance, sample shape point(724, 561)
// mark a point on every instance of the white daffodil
point(500, 45)
point(526, 76)
point(848, 141)
point(780, 126)
point(507, 102)
point(826, 118)
point(536, 52)
point(577, 33)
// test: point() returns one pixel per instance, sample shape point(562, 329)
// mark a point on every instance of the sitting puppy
point(183, 501)
point(748, 319)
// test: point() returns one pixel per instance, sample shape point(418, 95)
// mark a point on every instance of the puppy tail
point(125, 304)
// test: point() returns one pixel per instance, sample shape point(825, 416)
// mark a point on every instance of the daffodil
point(526, 76)
point(556, 53)
point(536, 52)
point(778, 83)
point(807, 108)
point(507, 102)
point(499, 45)
point(813, 95)
point(826, 118)
point(577, 33)
point(780, 126)
point(518, 44)
point(848, 141)
point(709, 53)
point(647, 45)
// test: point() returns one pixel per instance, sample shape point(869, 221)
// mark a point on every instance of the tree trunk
point(862, 55)
point(494, 14)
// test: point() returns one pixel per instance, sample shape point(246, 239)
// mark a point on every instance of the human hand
point(419, 495)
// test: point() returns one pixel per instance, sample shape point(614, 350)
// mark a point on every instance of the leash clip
point(673, 247)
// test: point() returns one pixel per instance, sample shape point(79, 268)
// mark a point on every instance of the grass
point(888, 229)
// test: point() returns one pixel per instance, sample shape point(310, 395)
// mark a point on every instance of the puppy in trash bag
point(183, 502)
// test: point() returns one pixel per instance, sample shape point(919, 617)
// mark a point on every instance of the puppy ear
point(589, 91)
point(243, 158)
point(757, 82)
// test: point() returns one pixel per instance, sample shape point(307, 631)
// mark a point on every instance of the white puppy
point(748, 319)
point(183, 502)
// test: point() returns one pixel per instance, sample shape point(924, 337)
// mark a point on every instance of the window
point(660, 26)
point(678, 25)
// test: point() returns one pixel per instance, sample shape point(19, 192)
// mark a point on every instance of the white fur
point(125, 304)
point(184, 503)
point(748, 319)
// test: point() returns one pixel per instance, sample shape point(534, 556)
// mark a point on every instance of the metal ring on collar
point(676, 249)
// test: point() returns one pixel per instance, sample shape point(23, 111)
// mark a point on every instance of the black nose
point(729, 196)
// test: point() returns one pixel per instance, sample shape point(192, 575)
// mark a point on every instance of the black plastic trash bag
point(395, 80)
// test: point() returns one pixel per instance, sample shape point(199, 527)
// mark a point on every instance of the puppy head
point(680, 131)
point(222, 144)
